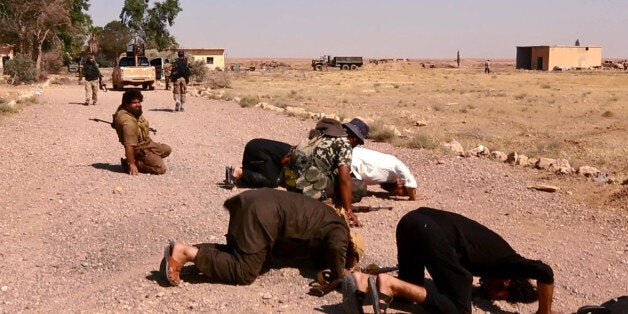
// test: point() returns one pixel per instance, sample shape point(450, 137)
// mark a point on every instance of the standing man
point(487, 66)
point(386, 170)
point(142, 154)
point(258, 221)
point(92, 80)
point(180, 77)
point(453, 249)
point(167, 71)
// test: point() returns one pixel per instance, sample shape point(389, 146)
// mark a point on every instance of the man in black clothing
point(258, 220)
point(92, 80)
point(262, 162)
point(180, 77)
point(453, 249)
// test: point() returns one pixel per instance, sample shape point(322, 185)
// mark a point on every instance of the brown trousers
point(222, 264)
point(150, 157)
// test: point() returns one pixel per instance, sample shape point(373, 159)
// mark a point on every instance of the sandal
point(172, 268)
point(381, 301)
point(352, 298)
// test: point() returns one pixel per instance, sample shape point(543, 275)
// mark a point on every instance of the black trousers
point(262, 163)
point(422, 244)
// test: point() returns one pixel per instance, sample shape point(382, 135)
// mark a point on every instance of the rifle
point(102, 85)
point(323, 287)
point(357, 209)
point(111, 124)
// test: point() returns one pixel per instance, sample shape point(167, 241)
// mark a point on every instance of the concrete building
point(547, 58)
point(213, 58)
point(6, 53)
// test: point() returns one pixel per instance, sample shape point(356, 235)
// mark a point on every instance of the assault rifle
point(111, 124)
point(323, 286)
point(102, 85)
point(364, 209)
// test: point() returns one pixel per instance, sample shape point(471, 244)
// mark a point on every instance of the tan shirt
point(131, 131)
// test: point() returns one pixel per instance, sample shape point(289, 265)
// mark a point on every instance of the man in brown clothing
point(142, 154)
point(258, 220)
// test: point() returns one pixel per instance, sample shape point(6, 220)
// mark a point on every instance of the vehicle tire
point(345, 67)
point(354, 67)
point(318, 67)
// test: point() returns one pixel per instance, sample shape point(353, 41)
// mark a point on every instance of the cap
point(330, 127)
point(180, 53)
point(359, 128)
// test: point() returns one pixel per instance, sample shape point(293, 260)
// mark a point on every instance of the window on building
point(210, 60)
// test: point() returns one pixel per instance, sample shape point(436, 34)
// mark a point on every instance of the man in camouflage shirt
point(142, 154)
point(326, 170)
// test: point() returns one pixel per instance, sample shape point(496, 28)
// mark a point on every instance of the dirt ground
point(79, 235)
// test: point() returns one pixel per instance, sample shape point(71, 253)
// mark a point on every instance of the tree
point(30, 24)
point(577, 42)
point(113, 39)
point(74, 35)
point(148, 25)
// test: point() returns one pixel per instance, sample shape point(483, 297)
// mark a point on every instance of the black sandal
point(381, 301)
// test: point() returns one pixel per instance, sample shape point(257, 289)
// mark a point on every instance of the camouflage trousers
point(179, 89)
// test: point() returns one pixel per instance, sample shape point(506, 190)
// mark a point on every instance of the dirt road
point(71, 243)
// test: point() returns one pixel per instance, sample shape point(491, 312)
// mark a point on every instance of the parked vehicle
point(344, 63)
point(133, 69)
point(159, 63)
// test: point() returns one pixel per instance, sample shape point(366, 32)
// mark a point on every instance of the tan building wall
point(547, 57)
point(212, 58)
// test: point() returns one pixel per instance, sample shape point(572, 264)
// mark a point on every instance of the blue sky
point(391, 28)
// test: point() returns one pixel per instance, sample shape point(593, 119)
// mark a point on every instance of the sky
point(391, 28)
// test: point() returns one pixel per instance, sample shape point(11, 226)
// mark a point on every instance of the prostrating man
point(258, 219)
point(262, 162)
point(453, 249)
point(386, 170)
point(320, 166)
point(142, 154)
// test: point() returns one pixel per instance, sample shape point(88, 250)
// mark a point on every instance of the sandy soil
point(79, 235)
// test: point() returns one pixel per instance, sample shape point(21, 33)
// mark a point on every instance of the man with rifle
point(142, 154)
point(93, 80)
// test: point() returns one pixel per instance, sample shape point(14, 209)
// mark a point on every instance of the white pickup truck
point(134, 70)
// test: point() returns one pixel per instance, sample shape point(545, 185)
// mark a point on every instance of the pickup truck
point(133, 70)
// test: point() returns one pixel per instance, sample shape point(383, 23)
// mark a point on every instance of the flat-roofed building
point(213, 58)
point(547, 58)
point(6, 53)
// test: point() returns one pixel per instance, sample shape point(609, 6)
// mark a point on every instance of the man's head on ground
point(399, 189)
point(355, 250)
point(517, 290)
point(132, 99)
point(357, 131)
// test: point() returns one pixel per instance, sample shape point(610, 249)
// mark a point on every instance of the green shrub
point(198, 70)
point(21, 69)
point(380, 134)
point(216, 80)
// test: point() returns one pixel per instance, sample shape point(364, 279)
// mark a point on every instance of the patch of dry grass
point(539, 113)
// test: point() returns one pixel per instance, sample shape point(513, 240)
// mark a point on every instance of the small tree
point(21, 69)
point(198, 70)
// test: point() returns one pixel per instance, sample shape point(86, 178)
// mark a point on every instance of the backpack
point(304, 172)
point(180, 69)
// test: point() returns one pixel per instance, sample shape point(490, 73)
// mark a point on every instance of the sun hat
point(359, 128)
point(330, 127)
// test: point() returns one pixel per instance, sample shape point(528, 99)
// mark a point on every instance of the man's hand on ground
point(133, 169)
